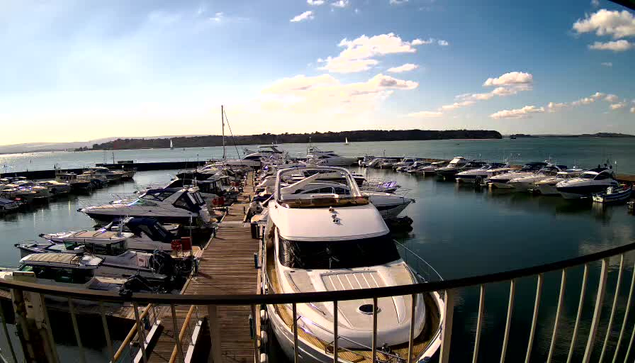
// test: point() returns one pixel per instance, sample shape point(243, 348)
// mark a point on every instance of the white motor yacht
point(479, 175)
point(184, 206)
point(80, 182)
point(332, 242)
point(590, 182)
point(548, 186)
point(526, 183)
point(112, 176)
point(501, 181)
point(432, 168)
point(55, 187)
point(328, 158)
point(117, 259)
point(141, 234)
point(75, 271)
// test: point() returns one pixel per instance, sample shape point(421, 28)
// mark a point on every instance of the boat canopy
point(151, 227)
point(61, 260)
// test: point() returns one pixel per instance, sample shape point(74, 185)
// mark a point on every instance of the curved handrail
point(319, 296)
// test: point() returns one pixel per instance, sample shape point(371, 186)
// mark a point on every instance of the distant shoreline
point(286, 138)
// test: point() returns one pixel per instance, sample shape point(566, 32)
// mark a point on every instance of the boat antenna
point(222, 117)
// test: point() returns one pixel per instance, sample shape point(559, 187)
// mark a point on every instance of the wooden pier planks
point(226, 267)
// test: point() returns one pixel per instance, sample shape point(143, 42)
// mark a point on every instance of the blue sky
point(81, 70)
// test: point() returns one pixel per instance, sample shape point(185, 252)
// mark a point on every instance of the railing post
point(534, 320)
point(628, 308)
point(214, 330)
point(296, 349)
point(49, 330)
point(479, 322)
point(579, 315)
point(597, 312)
point(335, 333)
point(176, 332)
point(563, 285)
point(508, 323)
point(140, 330)
point(6, 334)
point(612, 316)
point(71, 307)
point(374, 337)
point(413, 320)
point(104, 322)
point(447, 326)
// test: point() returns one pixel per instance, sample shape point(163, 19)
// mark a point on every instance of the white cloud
point(397, 2)
point(425, 114)
point(507, 84)
point(315, 2)
point(358, 53)
point(218, 17)
point(307, 15)
point(518, 113)
point(443, 43)
point(611, 98)
point(340, 3)
point(555, 107)
point(511, 78)
point(618, 24)
point(456, 105)
point(404, 68)
point(422, 42)
point(617, 106)
point(303, 94)
point(616, 46)
point(595, 3)
point(607, 64)
point(588, 100)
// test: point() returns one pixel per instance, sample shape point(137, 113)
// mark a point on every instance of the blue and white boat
point(614, 194)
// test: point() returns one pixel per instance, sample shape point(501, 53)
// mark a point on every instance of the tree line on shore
point(287, 138)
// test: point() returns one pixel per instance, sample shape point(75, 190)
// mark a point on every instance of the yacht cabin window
point(337, 254)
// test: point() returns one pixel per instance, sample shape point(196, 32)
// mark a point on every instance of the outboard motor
point(138, 283)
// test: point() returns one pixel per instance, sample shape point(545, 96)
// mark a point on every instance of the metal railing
point(609, 348)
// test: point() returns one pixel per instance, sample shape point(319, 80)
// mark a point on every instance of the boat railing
point(605, 334)
point(419, 266)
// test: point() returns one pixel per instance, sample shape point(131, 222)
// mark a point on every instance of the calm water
point(459, 231)
point(586, 152)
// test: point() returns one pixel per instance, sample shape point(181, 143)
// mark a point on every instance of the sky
point(78, 70)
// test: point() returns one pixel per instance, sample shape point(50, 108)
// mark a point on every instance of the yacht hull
point(547, 189)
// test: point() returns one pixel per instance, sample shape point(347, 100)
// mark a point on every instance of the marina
point(229, 259)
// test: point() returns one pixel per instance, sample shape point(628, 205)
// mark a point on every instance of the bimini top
point(288, 188)
point(65, 260)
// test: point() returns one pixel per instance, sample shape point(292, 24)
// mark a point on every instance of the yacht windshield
point(337, 254)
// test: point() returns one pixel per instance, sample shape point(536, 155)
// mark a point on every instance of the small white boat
point(614, 195)
point(8, 206)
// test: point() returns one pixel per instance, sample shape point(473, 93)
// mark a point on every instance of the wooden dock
point(226, 267)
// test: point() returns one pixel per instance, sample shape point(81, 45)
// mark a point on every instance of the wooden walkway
point(226, 267)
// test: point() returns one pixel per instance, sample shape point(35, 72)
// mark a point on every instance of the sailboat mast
point(222, 117)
